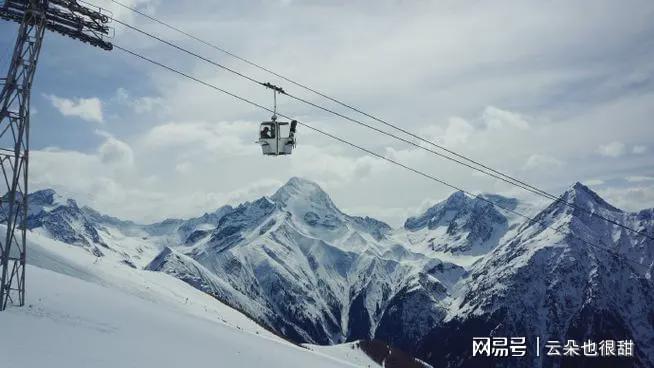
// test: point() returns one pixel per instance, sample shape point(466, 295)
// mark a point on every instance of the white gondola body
point(273, 140)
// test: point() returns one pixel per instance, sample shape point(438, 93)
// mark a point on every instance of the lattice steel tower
point(68, 18)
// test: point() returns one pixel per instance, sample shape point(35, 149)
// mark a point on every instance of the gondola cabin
point(277, 137)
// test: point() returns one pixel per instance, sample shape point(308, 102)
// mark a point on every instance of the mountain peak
point(49, 197)
point(299, 189)
point(465, 209)
point(48, 192)
point(456, 197)
point(456, 202)
point(582, 196)
point(300, 183)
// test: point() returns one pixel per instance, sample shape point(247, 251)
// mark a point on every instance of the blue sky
point(551, 92)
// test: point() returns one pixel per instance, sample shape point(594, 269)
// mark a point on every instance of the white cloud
point(256, 189)
point(129, 194)
point(495, 118)
point(457, 132)
point(140, 105)
point(630, 198)
point(395, 216)
point(183, 167)
point(226, 138)
point(52, 165)
point(115, 152)
point(542, 162)
point(333, 168)
point(639, 150)
point(89, 109)
point(593, 182)
point(613, 149)
point(124, 14)
point(638, 178)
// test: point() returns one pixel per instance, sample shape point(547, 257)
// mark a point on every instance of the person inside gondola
point(266, 133)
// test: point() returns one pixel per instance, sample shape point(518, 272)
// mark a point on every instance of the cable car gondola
point(276, 137)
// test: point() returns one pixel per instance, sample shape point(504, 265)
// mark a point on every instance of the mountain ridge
point(300, 266)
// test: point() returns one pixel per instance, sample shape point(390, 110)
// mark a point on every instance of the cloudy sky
point(551, 92)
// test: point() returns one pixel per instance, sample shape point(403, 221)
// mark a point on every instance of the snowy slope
point(88, 313)
point(349, 352)
point(371, 353)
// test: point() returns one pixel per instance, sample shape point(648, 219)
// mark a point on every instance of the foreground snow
point(87, 313)
point(350, 352)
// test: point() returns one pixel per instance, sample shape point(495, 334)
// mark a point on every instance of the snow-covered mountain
point(557, 284)
point(299, 266)
point(61, 219)
point(88, 311)
point(464, 225)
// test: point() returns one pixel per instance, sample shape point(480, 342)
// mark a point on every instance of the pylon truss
point(68, 18)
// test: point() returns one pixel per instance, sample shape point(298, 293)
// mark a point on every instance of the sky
point(551, 92)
